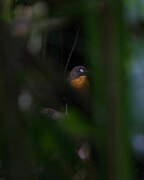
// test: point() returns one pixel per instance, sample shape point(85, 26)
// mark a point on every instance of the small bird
point(78, 78)
point(78, 91)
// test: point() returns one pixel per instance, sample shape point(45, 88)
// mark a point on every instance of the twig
point(71, 52)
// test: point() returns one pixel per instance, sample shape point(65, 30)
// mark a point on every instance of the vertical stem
point(106, 42)
point(6, 9)
point(18, 154)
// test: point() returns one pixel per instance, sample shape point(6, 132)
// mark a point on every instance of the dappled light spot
point(83, 152)
point(138, 143)
point(24, 101)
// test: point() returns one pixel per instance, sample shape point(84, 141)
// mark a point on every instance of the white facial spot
point(81, 70)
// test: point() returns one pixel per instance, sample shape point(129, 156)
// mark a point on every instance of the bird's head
point(78, 71)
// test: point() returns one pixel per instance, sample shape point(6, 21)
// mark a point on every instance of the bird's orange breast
point(80, 83)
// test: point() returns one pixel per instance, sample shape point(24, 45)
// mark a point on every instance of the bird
point(78, 78)
point(78, 89)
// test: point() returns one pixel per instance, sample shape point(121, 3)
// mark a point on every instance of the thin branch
point(72, 50)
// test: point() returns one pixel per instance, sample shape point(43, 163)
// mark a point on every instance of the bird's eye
point(81, 70)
